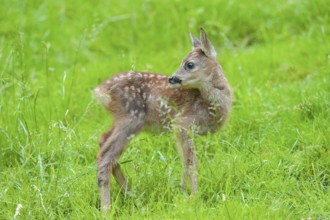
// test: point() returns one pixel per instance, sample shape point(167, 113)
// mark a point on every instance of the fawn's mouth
point(174, 80)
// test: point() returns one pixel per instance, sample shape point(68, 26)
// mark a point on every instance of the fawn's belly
point(200, 122)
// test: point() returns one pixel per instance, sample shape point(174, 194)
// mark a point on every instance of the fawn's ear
point(195, 41)
point(207, 46)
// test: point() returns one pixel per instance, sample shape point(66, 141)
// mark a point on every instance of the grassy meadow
point(271, 160)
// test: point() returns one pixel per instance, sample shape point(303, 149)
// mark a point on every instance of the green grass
point(271, 161)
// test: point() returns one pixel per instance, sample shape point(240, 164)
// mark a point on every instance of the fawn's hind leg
point(105, 136)
point(108, 157)
point(116, 170)
point(107, 163)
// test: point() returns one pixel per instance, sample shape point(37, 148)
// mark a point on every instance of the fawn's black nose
point(174, 80)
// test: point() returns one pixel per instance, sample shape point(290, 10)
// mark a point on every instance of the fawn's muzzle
point(174, 80)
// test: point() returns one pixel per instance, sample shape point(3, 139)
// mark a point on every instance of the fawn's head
point(198, 66)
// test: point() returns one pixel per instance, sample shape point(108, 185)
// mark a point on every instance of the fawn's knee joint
point(100, 182)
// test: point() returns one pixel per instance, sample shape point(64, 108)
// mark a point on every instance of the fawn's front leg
point(189, 161)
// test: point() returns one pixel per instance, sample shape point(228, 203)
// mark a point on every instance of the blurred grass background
point(270, 162)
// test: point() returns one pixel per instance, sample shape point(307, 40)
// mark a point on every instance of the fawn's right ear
point(195, 41)
point(207, 45)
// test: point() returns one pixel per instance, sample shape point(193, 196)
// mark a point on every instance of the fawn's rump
point(102, 97)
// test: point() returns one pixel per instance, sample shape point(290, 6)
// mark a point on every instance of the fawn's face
point(197, 67)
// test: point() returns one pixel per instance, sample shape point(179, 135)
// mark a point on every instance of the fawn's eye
point(190, 65)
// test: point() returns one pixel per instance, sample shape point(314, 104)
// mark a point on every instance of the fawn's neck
point(217, 91)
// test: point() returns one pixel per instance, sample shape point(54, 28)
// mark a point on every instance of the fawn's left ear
point(195, 41)
point(207, 46)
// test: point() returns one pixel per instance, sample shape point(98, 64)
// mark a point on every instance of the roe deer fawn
point(197, 95)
